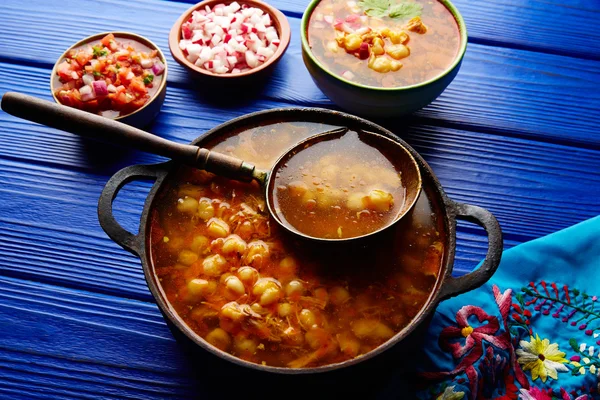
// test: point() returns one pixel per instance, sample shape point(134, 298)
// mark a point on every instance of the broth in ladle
point(338, 188)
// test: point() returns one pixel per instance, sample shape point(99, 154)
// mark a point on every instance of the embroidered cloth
point(531, 332)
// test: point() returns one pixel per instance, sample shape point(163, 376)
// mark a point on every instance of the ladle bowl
point(103, 129)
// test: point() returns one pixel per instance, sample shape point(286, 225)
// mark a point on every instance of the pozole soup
point(384, 43)
point(238, 281)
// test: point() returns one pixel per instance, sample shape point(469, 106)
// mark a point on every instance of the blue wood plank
point(517, 132)
point(508, 91)
point(68, 342)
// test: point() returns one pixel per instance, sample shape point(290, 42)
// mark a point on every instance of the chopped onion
point(111, 88)
point(110, 113)
point(348, 75)
point(87, 93)
point(87, 89)
point(147, 63)
point(158, 68)
point(230, 39)
point(88, 79)
point(100, 88)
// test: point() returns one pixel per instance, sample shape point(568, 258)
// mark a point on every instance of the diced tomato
point(75, 99)
point(137, 86)
point(83, 57)
point(91, 105)
point(137, 69)
point(121, 99)
point(122, 55)
point(104, 103)
point(75, 66)
point(138, 102)
point(100, 65)
point(123, 72)
point(64, 71)
point(107, 39)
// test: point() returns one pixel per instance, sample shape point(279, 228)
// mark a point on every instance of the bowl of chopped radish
point(229, 39)
point(118, 75)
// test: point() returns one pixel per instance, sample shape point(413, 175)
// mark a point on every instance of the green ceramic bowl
point(371, 101)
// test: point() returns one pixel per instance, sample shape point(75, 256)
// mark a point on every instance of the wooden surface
point(517, 132)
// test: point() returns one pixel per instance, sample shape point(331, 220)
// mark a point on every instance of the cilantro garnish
point(98, 52)
point(384, 8)
point(375, 8)
point(405, 10)
point(96, 73)
point(148, 79)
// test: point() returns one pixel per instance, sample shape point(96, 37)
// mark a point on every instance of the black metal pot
point(446, 286)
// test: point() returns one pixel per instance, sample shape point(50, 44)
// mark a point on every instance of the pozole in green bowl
point(372, 101)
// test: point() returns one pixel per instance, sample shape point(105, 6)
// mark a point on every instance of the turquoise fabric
point(532, 332)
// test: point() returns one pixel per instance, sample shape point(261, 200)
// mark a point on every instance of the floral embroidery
point(487, 364)
point(542, 358)
point(534, 394)
point(570, 305)
point(450, 394)
point(466, 342)
point(585, 358)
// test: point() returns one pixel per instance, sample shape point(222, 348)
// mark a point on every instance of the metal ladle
point(107, 130)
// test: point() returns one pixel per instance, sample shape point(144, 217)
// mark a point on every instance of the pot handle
point(482, 217)
point(113, 229)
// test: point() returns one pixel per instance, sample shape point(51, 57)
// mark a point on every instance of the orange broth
point(249, 289)
point(423, 48)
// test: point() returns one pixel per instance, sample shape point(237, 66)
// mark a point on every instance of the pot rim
point(140, 246)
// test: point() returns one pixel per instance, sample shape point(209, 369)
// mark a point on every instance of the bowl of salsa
point(383, 58)
point(118, 75)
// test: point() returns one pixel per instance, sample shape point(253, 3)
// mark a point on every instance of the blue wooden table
point(517, 132)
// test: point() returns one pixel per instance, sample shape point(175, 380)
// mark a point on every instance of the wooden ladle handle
point(108, 130)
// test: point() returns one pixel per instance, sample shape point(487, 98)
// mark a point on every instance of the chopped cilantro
point(383, 8)
point(117, 65)
point(96, 73)
point(148, 79)
point(98, 52)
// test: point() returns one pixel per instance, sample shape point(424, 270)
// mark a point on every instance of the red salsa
point(112, 77)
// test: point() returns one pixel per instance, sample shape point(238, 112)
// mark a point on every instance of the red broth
point(338, 188)
point(412, 48)
point(250, 290)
